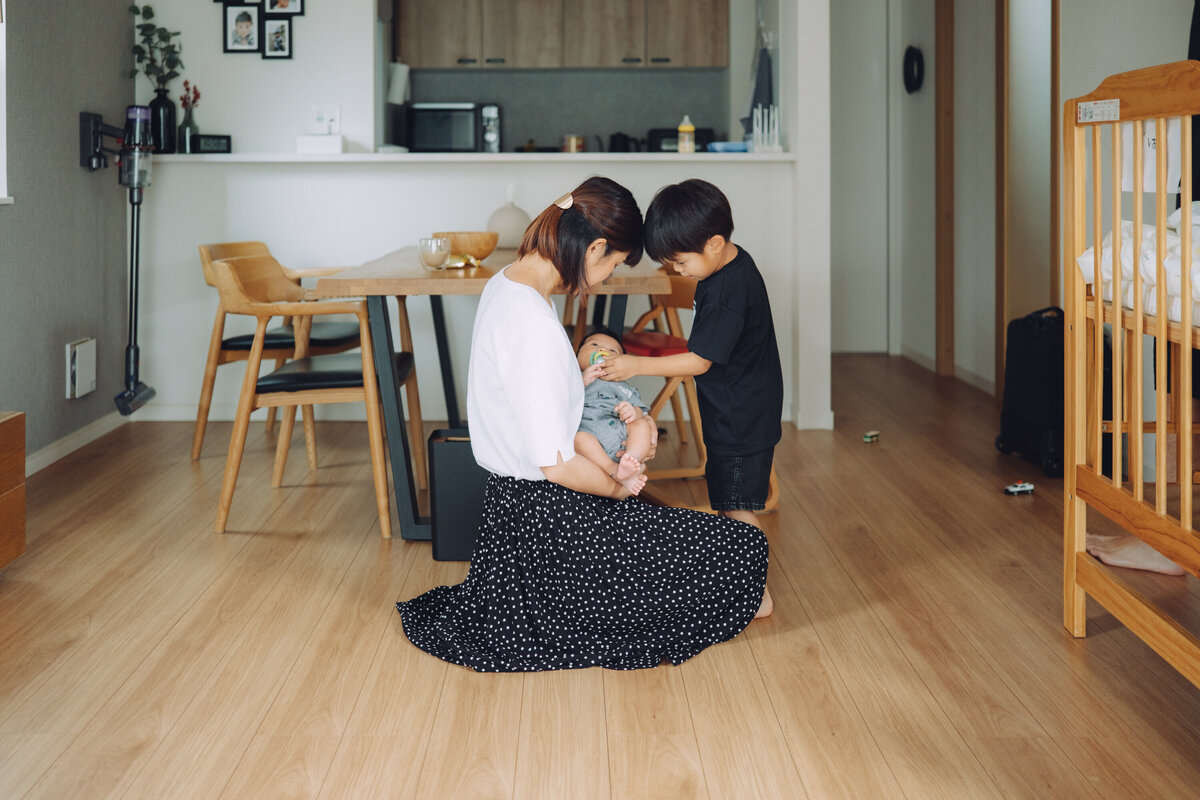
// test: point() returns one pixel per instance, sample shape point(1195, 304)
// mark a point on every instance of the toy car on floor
point(1020, 487)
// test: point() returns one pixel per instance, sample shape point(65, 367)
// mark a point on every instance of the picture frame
point(291, 8)
point(241, 28)
point(277, 37)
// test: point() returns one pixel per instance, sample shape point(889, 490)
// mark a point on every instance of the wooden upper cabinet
point(439, 33)
point(604, 33)
point(687, 33)
point(547, 34)
point(523, 34)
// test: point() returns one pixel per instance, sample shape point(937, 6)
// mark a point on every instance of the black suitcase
point(1031, 421)
point(456, 488)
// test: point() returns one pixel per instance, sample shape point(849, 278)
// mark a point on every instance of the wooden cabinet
point(546, 34)
point(448, 34)
point(604, 33)
point(687, 33)
point(522, 34)
point(646, 33)
point(12, 485)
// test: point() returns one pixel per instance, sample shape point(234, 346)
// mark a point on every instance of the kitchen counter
point(347, 209)
point(472, 158)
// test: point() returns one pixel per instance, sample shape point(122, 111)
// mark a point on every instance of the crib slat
point(1185, 320)
point(1095, 337)
point(1135, 376)
point(1160, 335)
point(1117, 309)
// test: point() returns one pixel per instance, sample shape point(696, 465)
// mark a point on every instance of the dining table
point(401, 274)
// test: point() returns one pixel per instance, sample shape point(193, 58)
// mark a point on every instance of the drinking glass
point(435, 250)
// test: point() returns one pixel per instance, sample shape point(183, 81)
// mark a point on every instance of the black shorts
point(739, 483)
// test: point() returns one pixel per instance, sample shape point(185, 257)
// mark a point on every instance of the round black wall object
point(914, 69)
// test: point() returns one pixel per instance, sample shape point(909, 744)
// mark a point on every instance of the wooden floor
point(916, 650)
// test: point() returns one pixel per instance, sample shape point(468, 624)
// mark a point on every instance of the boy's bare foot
point(1130, 552)
point(767, 605)
point(627, 467)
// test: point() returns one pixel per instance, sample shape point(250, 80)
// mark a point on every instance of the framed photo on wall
point(290, 7)
point(240, 29)
point(277, 37)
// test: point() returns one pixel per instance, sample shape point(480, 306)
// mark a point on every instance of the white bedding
point(1148, 264)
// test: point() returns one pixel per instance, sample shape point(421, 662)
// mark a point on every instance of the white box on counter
point(322, 143)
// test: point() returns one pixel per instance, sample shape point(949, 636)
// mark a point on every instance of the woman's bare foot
point(1132, 553)
point(767, 606)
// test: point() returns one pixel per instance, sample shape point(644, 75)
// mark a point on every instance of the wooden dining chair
point(258, 286)
point(279, 342)
point(659, 332)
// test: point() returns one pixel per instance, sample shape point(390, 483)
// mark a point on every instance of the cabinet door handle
point(631, 60)
point(468, 60)
point(493, 61)
point(660, 60)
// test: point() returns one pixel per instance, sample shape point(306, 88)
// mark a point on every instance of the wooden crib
point(1105, 172)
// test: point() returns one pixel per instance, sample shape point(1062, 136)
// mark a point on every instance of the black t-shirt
point(741, 395)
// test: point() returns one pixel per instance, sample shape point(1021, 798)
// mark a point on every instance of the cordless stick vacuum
point(134, 161)
point(134, 174)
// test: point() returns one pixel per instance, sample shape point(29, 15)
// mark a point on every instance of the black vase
point(162, 122)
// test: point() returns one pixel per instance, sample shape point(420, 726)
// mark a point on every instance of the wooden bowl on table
point(478, 245)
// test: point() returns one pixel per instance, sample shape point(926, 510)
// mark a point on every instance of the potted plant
point(156, 54)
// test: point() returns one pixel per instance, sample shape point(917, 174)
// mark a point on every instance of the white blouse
point(524, 389)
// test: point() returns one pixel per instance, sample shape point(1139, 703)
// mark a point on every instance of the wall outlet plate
point(81, 367)
point(326, 119)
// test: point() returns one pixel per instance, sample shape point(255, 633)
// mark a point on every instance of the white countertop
point(474, 158)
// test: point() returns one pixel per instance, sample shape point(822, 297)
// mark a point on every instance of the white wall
point(265, 104)
point(805, 100)
point(1028, 241)
point(912, 184)
point(975, 192)
point(859, 161)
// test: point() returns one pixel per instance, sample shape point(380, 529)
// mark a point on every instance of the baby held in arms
point(615, 432)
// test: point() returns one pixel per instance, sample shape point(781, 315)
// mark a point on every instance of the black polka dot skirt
point(561, 579)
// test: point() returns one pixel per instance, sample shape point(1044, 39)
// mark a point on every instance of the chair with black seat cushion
point(257, 286)
point(334, 336)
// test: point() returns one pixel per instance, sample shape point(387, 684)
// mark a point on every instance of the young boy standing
point(732, 350)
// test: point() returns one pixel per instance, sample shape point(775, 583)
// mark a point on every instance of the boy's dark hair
point(603, 331)
point(683, 216)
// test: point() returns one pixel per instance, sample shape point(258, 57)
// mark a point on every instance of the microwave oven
point(446, 127)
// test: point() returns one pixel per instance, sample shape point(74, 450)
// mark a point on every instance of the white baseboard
point(43, 458)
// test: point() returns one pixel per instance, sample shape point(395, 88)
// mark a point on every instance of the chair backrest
point(219, 250)
point(682, 295)
point(248, 285)
point(665, 307)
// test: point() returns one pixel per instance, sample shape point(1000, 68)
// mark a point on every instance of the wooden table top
point(402, 273)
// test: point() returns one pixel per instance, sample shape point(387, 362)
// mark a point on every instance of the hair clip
point(565, 201)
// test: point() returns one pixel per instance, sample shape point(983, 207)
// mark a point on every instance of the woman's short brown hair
point(600, 208)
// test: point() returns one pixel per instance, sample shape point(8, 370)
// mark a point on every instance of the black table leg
point(412, 525)
point(443, 346)
point(616, 313)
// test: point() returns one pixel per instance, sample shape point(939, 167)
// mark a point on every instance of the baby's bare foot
point(635, 483)
point(627, 467)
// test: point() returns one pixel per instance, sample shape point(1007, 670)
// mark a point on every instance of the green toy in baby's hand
point(598, 355)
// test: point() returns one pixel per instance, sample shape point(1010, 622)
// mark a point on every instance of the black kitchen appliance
point(445, 127)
